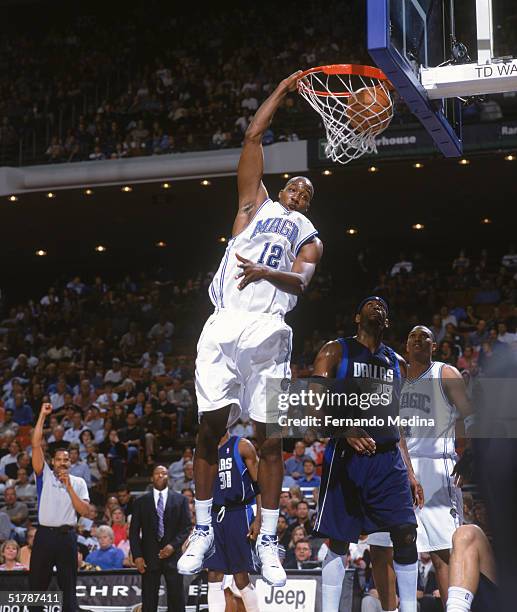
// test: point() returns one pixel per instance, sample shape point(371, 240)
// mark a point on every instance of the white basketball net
point(352, 119)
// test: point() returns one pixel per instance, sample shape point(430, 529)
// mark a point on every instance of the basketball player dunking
point(433, 390)
point(366, 486)
point(269, 261)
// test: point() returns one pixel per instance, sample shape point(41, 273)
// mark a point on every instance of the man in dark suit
point(160, 523)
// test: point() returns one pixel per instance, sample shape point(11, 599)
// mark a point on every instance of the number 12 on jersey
point(275, 254)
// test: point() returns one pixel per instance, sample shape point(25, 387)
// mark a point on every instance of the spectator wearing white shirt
point(11, 457)
point(250, 102)
point(145, 360)
point(72, 434)
point(94, 420)
point(182, 400)
point(76, 285)
point(109, 397)
point(50, 299)
point(78, 467)
point(505, 336)
point(57, 399)
point(115, 374)
point(157, 367)
point(59, 351)
point(25, 490)
point(447, 317)
point(402, 265)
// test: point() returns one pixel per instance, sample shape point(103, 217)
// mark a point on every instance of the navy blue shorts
point(233, 549)
point(362, 494)
point(486, 598)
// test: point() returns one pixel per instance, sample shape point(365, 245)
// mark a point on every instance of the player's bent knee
point(241, 580)
point(465, 536)
point(338, 547)
point(213, 424)
point(271, 448)
point(404, 544)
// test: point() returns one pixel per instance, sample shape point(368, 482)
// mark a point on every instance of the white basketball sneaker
point(267, 551)
point(200, 546)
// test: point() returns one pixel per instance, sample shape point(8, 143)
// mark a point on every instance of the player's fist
point(140, 565)
point(46, 409)
point(64, 477)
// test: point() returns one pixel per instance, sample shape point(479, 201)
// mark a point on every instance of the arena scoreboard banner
point(121, 592)
point(409, 142)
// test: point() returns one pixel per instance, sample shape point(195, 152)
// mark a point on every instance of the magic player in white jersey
point(245, 343)
point(432, 400)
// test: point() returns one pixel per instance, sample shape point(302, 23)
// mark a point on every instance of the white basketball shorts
point(240, 356)
point(442, 513)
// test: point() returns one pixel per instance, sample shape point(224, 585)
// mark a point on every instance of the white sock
point(250, 599)
point(396, 610)
point(203, 511)
point(269, 521)
point(216, 600)
point(406, 580)
point(459, 599)
point(332, 575)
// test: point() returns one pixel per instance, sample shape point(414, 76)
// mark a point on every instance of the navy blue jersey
point(233, 484)
point(363, 372)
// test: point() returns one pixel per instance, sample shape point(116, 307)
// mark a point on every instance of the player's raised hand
point(360, 441)
point(46, 409)
point(251, 271)
point(291, 82)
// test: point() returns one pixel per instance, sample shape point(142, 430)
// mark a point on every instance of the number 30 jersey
point(273, 238)
point(233, 484)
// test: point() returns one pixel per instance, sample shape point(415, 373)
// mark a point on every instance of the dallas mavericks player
point(269, 261)
point(434, 394)
point(234, 522)
point(366, 486)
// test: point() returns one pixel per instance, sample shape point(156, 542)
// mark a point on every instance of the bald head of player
point(372, 315)
point(297, 194)
point(420, 344)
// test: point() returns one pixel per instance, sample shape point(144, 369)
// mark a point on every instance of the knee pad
point(404, 544)
point(338, 547)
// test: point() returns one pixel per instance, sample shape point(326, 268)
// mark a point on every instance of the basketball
point(369, 109)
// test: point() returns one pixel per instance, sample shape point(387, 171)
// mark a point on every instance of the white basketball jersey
point(424, 397)
point(274, 237)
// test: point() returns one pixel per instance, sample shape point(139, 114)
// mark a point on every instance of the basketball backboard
point(414, 42)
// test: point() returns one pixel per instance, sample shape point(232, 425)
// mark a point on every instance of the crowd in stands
point(116, 361)
point(152, 82)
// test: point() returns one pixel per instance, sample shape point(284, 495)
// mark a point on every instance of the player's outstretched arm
point(294, 282)
point(251, 163)
point(38, 458)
